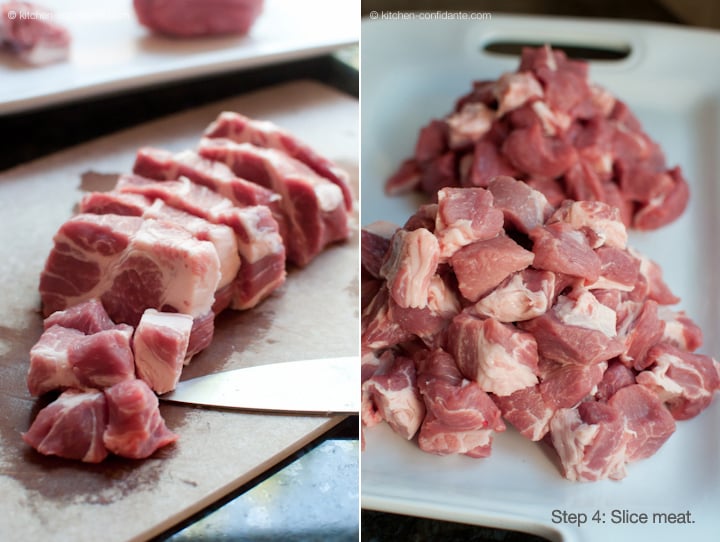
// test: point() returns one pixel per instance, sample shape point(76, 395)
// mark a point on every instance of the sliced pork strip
point(160, 345)
point(499, 357)
point(482, 266)
point(314, 207)
point(241, 129)
point(37, 40)
point(72, 427)
point(262, 253)
point(465, 215)
point(135, 427)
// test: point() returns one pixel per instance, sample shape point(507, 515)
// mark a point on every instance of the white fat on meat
point(160, 344)
point(465, 215)
point(600, 222)
point(469, 124)
point(500, 358)
point(410, 265)
point(553, 122)
point(523, 296)
point(513, 89)
point(584, 310)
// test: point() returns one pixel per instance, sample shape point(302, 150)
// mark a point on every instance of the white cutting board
point(414, 70)
point(314, 314)
point(111, 51)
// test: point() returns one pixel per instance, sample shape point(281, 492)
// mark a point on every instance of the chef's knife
point(327, 385)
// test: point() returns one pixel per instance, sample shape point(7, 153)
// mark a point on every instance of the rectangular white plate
point(412, 71)
point(111, 51)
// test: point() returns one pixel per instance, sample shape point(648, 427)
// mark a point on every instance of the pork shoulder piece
point(393, 396)
point(127, 204)
point(528, 411)
point(160, 345)
point(522, 296)
point(72, 427)
point(67, 358)
point(463, 217)
point(483, 265)
point(523, 208)
point(261, 250)
point(685, 381)
point(262, 133)
point(409, 265)
point(36, 40)
point(135, 427)
point(194, 18)
point(313, 206)
point(88, 317)
point(499, 357)
point(560, 248)
point(130, 264)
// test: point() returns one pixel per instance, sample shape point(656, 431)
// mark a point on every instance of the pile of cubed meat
point(493, 306)
point(133, 283)
point(548, 125)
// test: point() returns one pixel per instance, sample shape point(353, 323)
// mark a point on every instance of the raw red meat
point(313, 206)
point(547, 124)
point(572, 343)
point(193, 18)
point(241, 129)
point(160, 345)
point(72, 426)
point(88, 317)
point(32, 34)
point(135, 428)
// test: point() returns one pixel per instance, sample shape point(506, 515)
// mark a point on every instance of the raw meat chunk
point(135, 428)
point(560, 248)
point(160, 344)
point(193, 18)
point(67, 358)
point(523, 208)
point(32, 35)
point(409, 265)
point(483, 265)
point(522, 296)
point(499, 357)
point(88, 317)
point(395, 397)
point(72, 427)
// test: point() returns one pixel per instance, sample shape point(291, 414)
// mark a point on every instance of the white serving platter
point(112, 52)
point(412, 71)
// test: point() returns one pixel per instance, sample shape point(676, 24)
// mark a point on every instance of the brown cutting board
point(314, 314)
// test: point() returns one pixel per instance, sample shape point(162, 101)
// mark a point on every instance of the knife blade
point(320, 386)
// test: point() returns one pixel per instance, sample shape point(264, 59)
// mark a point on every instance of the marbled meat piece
point(314, 207)
point(72, 426)
point(135, 427)
point(261, 250)
point(89, 317)
point(160, 344)
point(263, 133)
